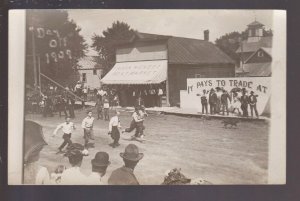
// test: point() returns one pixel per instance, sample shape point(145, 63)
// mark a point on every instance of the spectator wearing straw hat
point(124, 175)
point(99, 166)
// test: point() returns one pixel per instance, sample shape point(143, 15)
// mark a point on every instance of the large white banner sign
point(261, 86)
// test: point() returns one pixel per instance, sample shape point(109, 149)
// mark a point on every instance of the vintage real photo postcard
point(147, 97)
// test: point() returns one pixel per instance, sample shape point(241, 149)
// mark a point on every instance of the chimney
point(206, 35)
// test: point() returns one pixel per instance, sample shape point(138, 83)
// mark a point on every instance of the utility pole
point(34, 58)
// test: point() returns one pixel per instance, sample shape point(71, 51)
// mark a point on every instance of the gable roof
point(265, 49)
point(87, 62)
point(195, 51)
point(189, 51)
point(255, 23)
point(254, 46)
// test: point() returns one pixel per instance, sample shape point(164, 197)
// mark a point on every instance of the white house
point(90, 73)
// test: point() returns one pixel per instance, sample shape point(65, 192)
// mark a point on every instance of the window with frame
point(83, 77)
point(260, 54)
point(94, 71)
point(199, 75)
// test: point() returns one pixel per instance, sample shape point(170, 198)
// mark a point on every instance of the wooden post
point(48, 78)
point(39, 73)
point(34, 59)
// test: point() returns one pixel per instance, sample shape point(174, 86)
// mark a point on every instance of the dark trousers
point(139, 129)
point(253, 107)
point(62, 108)
point(204, 107)
point(244, 108)
point(212, 108)
point(159, 99)
point(138, 126)
point(225, 107)
point(106, 113)
point(99, 113)
point(131, 128)
point(115, 135)
point(88, 134)
point(67, 141)
point(71, 111)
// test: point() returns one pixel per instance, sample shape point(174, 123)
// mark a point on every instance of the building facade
point(151, 60)
point(255, 53)
point(89, 73)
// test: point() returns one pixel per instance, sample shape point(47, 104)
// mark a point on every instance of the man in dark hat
point(99, 166)
point(252, 103)
point(73, 175)
point(124, 175)
point(224, 101)
point(212, 99)
point(244, 102)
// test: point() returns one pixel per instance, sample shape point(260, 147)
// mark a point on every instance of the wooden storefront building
point(150, 59)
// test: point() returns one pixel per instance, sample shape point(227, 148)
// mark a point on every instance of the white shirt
point(94, 179)
point(106, 104)
point(102, 93)
point(114, 121)
point(138, 118)
point(73, 176)
point(160, 92)
point(88, 122)
point(85, 90)
point(66, 128)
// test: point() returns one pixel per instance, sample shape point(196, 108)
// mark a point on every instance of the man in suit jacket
point(252, 103)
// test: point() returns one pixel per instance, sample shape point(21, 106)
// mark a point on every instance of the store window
point(199, 75)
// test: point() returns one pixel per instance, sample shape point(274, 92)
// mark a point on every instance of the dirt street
point(201, 148)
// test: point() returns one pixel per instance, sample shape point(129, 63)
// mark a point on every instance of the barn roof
point(189, 51)
point(87, 63)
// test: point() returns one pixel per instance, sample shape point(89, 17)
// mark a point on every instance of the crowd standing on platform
point(221, 101)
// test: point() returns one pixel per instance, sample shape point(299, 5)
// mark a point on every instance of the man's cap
point(101, 159)
point(132, 153)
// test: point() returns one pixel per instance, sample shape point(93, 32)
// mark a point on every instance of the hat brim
point(139, 157)
point(98, 164)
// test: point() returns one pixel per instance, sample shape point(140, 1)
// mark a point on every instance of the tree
point(57, 42)
point(107, 44)
point(230, 42)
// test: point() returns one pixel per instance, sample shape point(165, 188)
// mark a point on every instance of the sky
point(183, 23)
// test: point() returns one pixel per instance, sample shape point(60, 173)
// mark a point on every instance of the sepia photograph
point(147, 97)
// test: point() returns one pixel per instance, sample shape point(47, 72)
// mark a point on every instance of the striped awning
point(139, 72)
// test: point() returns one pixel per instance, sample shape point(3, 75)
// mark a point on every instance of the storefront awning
point(139, 72)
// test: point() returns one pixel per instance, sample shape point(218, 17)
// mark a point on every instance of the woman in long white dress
point(236, 103)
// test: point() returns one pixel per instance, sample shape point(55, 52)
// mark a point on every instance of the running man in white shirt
point(67, 128)
point(87, 125)
point(113, 129)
